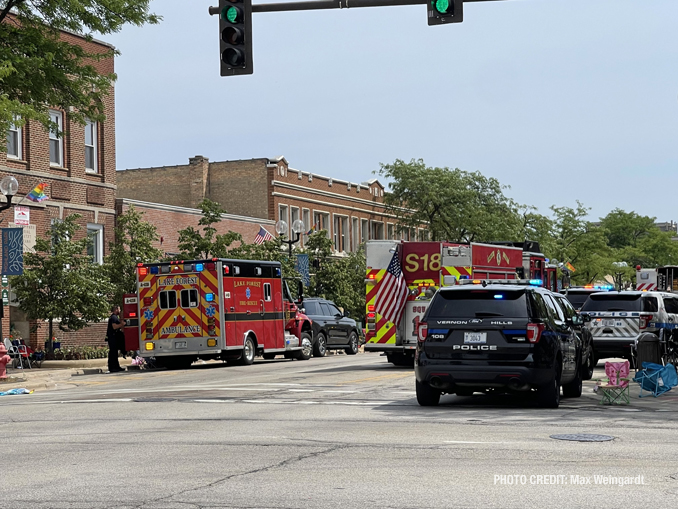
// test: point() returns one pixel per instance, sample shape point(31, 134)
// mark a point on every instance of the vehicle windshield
point(577, 299)
point(619, 302)
point(481, 303)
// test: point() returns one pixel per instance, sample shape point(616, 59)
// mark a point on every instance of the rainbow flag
point(570, 267)
point(312, 230)
point(38, 193)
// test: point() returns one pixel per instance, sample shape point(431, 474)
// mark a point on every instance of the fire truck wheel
point(248, 352)
point(306, 347)
point(320, 346)
point(353, 344)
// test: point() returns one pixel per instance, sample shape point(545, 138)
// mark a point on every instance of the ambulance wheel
point(248, 352)
point(306, 347)
point(352, 344)
point(269, 356)
point(320, 346)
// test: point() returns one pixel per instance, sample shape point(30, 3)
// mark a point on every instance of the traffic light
point(235, 37)
point(441, 12)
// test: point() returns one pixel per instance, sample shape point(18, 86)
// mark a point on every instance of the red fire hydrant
point(4, 360)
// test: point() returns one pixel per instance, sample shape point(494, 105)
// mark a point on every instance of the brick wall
point(71, 189)
point(170, 219)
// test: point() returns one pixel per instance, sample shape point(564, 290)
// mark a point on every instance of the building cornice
point(297, 187)
point(195, 212)
point(334, 205)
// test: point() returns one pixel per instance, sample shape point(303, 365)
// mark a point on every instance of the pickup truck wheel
point(248, 352)
point(574, 388)
point(320, 346)
point(352, 344)
point(426, 395)
point(306, 347)
point(548, 395)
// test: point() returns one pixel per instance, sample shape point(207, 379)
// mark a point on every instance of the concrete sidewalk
point(55, 374)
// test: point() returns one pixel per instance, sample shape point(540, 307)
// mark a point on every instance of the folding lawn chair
point(18, 353)
point(656, 379)
point(616, 390)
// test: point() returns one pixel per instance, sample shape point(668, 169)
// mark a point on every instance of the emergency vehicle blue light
point(603, 287)
point(277, 271)
point(536, 282)
point(464, 277)
point(498, 296)
point(155, 270)
point(198, 267)
point(209, 297)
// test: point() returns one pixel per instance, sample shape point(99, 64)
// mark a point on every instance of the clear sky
point(563, 100)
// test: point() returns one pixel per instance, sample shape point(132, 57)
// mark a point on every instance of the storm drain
point(583, 437)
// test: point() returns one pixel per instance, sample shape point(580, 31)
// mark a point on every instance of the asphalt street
point(341, 431)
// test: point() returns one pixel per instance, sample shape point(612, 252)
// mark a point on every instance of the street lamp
point(8, 187)
point(297, 227)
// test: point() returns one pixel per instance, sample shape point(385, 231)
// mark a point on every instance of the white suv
point(619, 318)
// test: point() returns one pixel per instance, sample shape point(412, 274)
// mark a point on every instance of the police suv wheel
point(548, 395)
point(426, 395)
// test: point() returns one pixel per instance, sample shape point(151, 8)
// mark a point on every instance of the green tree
point(456, 205)
point(39, 69)
point(133, 244)
point(339, 279)
point(61, 283)
point(270, 250)
point(625, 229)
point(196, 245)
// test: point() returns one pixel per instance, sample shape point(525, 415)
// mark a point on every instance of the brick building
point(79, 168)
point(351, 212)
point(169, 219)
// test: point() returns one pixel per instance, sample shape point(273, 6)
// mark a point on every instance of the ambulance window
point(189, 298)
point(267, 292)
point(168, 299)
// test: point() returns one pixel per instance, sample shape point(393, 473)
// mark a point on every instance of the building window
point(321, 220)
point(282, 216)
point(14, 142)
point(389, 232)
point(91, 152)
point(340, 233)
point(306, 218)
point(294, 216)
point(95, 249)
point(377, 230)
point(355, 233)
point(364, 230)
point(56, 142)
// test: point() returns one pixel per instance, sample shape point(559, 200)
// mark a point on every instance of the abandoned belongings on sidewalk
point(656, 379)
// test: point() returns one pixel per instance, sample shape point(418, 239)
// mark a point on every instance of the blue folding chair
point(656, 379)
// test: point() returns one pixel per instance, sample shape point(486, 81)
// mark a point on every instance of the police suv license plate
point(474, 338)
point(180, 344)
point(608, 323)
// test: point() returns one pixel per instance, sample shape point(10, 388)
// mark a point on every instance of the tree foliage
point(454, 205)
point(61, 282)
point(195, 244)
point(39, 69)
point(133, 244)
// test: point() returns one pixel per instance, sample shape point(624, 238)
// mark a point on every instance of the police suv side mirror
point(576, 320)
point(585, 317)
point(300, 291)
point(347, 314)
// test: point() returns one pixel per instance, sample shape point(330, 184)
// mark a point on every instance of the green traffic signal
point(442, 6)
point(231, 14)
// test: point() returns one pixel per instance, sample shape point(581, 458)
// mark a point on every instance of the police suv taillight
point(422, 332)
point(645, 321)
point(534, 331)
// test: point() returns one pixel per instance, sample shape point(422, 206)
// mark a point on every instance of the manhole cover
point(583, 437)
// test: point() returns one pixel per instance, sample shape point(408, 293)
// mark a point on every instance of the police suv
point(506, 336)
point(619, 318)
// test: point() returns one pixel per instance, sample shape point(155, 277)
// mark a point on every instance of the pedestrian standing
point(113, 333)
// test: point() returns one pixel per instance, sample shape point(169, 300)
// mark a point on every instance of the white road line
point(300, 390)
point(215, 400)
point(468, 442)
point(340, 392)
point(103, 400)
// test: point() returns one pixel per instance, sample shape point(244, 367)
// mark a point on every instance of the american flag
point(392, 293)
point(262, 236)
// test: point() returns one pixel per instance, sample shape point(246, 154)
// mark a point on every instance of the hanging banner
point(30, 236)
point(301, 264)
point(12, 251)
point(22, 215)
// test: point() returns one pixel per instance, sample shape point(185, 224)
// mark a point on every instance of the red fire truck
point(428, 265)
point(218, 309)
